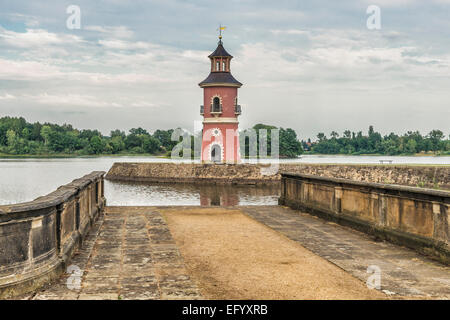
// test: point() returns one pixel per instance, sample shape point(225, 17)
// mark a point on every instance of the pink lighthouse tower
point(220, 110)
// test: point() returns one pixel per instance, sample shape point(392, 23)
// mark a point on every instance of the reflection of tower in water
point(218, 195)
point(151, 194)
point(233, 195)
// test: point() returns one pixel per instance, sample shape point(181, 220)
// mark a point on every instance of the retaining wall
point(38, 238)
point(190, 173)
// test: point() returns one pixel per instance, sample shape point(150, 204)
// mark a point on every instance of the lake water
point(26, 179)
point(144, 194)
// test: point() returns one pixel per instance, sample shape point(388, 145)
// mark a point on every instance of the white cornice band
point(220, 120)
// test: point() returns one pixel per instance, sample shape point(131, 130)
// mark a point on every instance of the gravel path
point(231, 256)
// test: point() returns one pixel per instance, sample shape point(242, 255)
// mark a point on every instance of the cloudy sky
point(310, 65)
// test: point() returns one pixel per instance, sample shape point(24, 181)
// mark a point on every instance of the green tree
point(133, 141)
point(150, 144)
point(16, 145)
point(290, 146)
point(139, 131)
point(334, 134)
point(117, 144)
point(45, 133)
point(411, 146)
point(347, 134)
point(259, 128)
point(165, 137)
point(436, 137)
point(321, 136)
point(96, 145)
point(117, 133)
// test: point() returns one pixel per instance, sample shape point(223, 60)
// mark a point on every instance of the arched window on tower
point(224, 66)
point(216, 107)
point(237, 108)
point(218, 65)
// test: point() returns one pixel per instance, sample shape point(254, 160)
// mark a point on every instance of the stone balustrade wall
point(38, 238)
point(414, 217)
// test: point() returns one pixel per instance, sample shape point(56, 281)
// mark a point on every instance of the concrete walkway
point(403, 271)
point(130, 254)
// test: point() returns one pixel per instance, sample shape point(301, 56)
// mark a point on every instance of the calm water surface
point(142, 194)
point(26, 179)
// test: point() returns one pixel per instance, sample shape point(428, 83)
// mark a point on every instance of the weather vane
point(221, 28)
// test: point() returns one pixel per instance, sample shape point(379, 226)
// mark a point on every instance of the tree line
point(353, 143)
point(19, 137)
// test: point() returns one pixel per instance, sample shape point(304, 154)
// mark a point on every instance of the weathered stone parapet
point(38, 238)
point(411, 175)
point(424, 176)
point(414, 217)
point(191, 173)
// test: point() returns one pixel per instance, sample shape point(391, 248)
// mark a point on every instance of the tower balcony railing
point(216, 109)
point(237, 109)
point(202, 110)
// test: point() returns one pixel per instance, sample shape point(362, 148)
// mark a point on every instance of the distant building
point(220, 110)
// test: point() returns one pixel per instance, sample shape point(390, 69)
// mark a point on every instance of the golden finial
point(221, 28)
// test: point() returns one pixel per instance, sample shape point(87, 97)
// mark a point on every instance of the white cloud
point(401, 3)
point(290, 31)
point(114, 32)
point(35, 38)
point(142, 104)
point(28, 20)
point(124, 45)
point(7, 97)
point(273, 14)
point(70, 100)
point(339, 59)
point(391, 3)
point(28, 70)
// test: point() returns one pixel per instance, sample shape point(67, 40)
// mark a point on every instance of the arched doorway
point(216, 153)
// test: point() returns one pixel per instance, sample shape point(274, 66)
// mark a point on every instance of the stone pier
point(70, 245)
